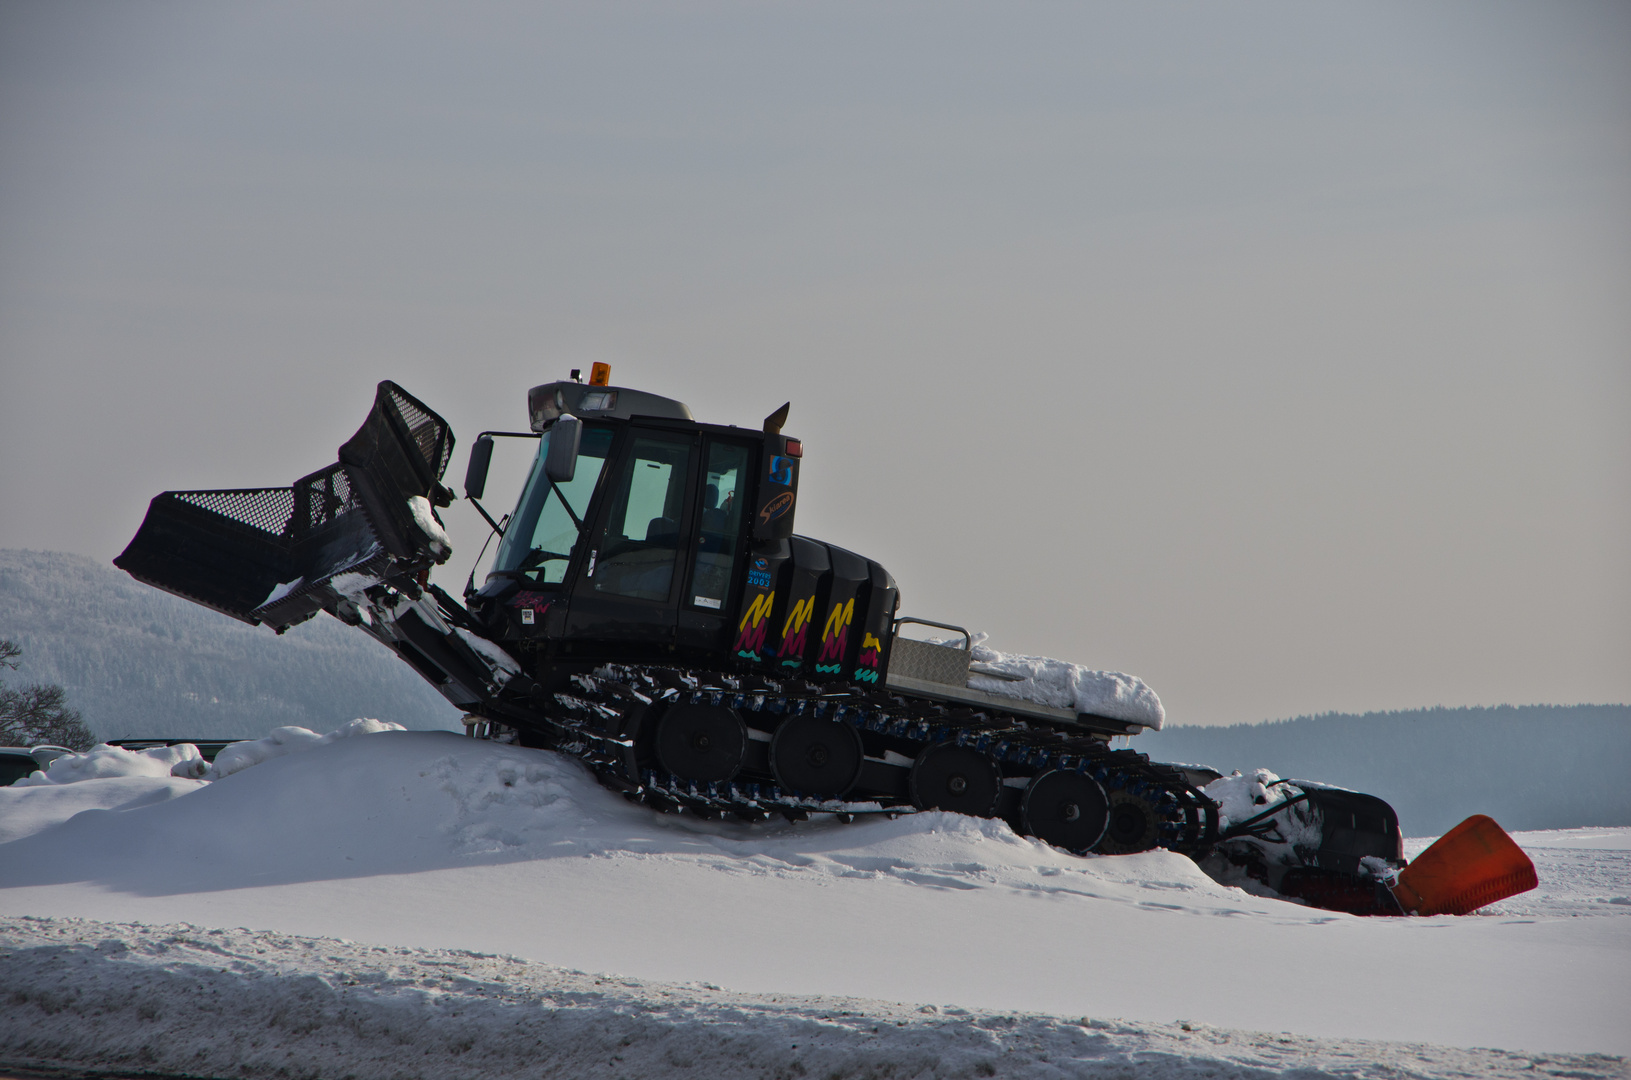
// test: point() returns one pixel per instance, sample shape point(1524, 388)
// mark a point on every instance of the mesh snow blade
point(270, 554)
point(1474, 864)
point(328, 534)
point(400, 451)
point(226, 550)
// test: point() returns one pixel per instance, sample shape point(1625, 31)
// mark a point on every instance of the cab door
point(630, 589)
point(716, 572)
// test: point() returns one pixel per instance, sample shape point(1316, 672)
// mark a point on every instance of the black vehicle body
point(651, 611)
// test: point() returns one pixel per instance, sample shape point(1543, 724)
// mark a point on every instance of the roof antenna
point(774, 422)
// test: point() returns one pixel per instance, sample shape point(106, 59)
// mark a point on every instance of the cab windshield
point(544, 531)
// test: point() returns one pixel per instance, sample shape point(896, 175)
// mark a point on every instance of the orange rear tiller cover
point(1474, 864)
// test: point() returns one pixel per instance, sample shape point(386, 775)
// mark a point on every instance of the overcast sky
point(1279, 353)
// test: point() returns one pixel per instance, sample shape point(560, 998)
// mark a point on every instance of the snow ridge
point(179, 999)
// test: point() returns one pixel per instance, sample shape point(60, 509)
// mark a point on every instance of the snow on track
point(183, 1000)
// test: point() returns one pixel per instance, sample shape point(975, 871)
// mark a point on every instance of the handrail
point(968, 638)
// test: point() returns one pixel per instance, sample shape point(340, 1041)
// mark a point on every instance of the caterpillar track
point(792, 749)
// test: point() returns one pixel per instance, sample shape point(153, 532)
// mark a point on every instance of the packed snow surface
point(182, 999)
point(1065, 686)
point(431, 841)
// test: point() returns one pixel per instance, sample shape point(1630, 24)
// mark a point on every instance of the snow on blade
point(352, 584)
point(425, 518)
point(236, 1002)
point(238, 756)
point(280, 591)
point(1064, 685)
point(502, 663)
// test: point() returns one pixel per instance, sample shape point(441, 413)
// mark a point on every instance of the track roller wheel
point(816, 757)
point(704, 743)
point(957, 778)
point(1066, 809)
point(1134, 825)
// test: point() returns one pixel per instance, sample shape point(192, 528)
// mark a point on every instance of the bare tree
point(36, 714)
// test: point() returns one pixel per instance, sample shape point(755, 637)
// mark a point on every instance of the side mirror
point(475, 476)
point(561, 464)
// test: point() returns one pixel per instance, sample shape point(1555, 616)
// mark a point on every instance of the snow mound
point(26, 809)
point(405, 802)
point(179, 999)
point(287, 740)
point(103, 762)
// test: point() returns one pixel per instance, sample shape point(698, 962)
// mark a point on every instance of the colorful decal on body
point(794, 632)
point(781, 471)
point(750, 636)
point(871, 650)
point(760, 574)
point(834, 637)
point(776, 508)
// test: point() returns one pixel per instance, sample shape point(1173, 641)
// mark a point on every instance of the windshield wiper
point(561, 495)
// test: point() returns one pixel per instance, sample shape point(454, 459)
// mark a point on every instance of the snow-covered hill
point(140, 663)
point(427, 840)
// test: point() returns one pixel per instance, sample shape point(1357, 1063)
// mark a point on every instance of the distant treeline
point(137, 662)
point(1527, 766)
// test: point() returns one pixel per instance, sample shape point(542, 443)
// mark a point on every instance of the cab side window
point(719, 525)
point(641, 545)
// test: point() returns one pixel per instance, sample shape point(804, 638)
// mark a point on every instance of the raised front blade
point(329, 535)
point(280, 555)
point(399, 453)
point(227, 550)
point(1474, 864)
point(260, 555)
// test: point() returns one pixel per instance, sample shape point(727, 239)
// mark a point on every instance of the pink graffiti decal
point(750, 639)
point(835, 637)
point(796, 630)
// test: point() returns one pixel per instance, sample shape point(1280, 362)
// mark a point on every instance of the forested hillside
point(1528, 766)
point(139, 662)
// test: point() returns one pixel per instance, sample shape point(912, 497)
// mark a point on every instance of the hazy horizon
point(1279, 355)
